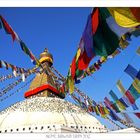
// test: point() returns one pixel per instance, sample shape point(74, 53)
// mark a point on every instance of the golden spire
point(44, 84)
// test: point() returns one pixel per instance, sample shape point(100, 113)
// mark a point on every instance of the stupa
point(45, 110)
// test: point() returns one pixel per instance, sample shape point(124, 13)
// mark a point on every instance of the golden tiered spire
point(43, 84)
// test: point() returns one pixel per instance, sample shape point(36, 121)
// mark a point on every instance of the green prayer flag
point(105, 40)
point(24, 48)
point(134, 92)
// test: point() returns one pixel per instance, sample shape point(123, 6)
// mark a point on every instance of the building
point(45, 110)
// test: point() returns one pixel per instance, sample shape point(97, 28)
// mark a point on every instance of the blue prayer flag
point(131, 71)
point(134, 106)
point(113, 95)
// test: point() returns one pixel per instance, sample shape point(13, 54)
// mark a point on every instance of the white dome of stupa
point(46, 114)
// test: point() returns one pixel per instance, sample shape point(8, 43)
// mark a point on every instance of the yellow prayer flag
point(124, 17)
point(71, 85)
point(120, 87)
point(136, 85)
point(106, 111)
point(121, 106)
point(97, 110)
point(78, 54)
point(123, 43)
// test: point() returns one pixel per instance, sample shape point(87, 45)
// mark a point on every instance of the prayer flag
point(124, 102)
point(73, 68)
point(136, 84)
point(83, 61)
point(70, 84)
point(113, 115)
point(134, 106)
point(134, 92)
point(121, 105)
point(131, 71)
point(120, 87)
point(87, 38)
point(137, 114)
point(130, 97)
point(113, 95)
point(125, 17)
point(7, 28)
point(103, 45)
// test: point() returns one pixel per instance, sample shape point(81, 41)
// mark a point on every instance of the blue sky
point(60, 29)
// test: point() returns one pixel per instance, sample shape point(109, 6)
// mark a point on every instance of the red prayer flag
point(138, 115)
point(130, 97)
point(83, 61)
point(73, 68)
point(7, 28)
point(95, 19)
point(101, 110)
point(136, 12)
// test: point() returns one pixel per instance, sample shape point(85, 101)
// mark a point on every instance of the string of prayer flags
point(29, 53)
point(5, 77)
point(131, 94)
point(7, 66)
point(14, 35)
point(94, 67)
point(129, 97)
point(16, 70)
point(10, 87)
point(111, 105)
point(18, 90)
point(95, 41)
point(115, 98)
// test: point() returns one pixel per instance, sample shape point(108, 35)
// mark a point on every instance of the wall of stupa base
point(52, 129)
